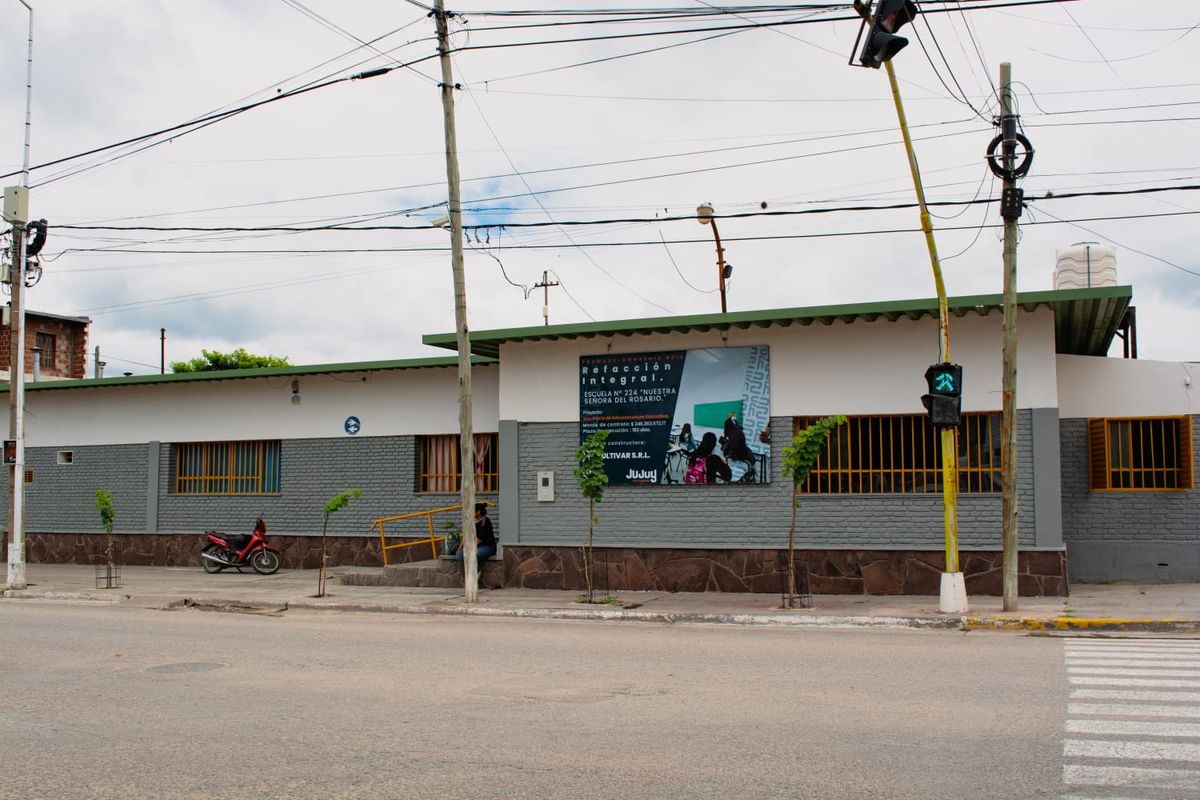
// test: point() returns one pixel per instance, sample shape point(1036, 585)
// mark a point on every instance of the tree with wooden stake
point(592, 480)
point(335, 504)
point(799, 458)
point(108, 516)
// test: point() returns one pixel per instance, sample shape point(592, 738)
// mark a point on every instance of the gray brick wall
point(62, 497)
point(1126, 535)
point(313, 470)
point(754, 516)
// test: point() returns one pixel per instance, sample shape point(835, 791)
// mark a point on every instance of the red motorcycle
point(245, 550)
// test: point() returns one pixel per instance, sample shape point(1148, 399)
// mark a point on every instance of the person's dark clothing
point(735, 442)
point(484, 534)
point(715, 467)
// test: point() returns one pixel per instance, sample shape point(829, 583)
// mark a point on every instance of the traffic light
point(882, 42)
point(944, 401)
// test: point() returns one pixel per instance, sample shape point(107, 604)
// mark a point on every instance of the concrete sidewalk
point(1173, 608)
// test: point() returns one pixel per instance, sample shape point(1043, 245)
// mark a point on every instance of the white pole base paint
point(953, 599)
point(16, 568)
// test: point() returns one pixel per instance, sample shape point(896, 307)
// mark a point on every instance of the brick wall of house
point(70, 345)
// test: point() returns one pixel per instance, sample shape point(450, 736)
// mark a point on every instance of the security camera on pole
point(882, 43)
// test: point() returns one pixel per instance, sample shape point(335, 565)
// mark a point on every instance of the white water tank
point(1085, 264)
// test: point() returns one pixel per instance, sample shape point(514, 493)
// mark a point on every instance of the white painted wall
point(861, 368)
point(1124, 387)
point(394, 402)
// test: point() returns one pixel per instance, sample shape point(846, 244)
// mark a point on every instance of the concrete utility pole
point(18, 215)
point(466, 433)
point(1010, 210)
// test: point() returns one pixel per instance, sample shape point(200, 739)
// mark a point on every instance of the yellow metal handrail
point(433, 537)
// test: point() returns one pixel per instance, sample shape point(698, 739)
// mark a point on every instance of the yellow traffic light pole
point(953, 590)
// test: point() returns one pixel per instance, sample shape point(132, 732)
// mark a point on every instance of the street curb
point(1152, 625)
point(91, 597)
point(660, 617)
point(798, 619)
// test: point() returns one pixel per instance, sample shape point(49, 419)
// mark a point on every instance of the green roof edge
point(924, 305)
point(257, 372)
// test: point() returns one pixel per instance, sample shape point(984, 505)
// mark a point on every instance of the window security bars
point(227, 468)
point(1140, 454)
point(902, 454)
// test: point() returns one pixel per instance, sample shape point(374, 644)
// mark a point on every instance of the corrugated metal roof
point(1085, 319)
point(261, 372)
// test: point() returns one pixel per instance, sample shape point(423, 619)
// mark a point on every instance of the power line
point(652, 242)
point(633, 220)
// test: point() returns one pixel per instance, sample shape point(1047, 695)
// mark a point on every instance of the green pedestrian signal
point(944, 401)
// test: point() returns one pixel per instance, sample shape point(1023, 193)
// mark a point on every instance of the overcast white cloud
point(770, 116)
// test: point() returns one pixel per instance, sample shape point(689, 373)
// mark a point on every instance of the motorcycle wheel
point(265, 562)
point(211, 566)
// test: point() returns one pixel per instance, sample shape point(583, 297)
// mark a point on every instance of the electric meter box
point(16, 204)
point(545, 493)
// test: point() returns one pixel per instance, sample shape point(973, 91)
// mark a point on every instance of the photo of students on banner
point(680, 417)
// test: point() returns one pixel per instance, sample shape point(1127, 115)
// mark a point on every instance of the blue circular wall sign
point(352, 425)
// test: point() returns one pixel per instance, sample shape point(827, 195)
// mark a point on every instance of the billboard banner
point(680, 416)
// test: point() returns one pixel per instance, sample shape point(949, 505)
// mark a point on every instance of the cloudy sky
point(739, 110)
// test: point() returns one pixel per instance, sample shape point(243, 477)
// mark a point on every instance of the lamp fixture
point(295, 392)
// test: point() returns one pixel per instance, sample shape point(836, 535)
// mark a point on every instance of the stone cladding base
point(875, 572)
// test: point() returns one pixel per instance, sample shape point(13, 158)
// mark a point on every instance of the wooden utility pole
point(545, 287)
point(1010, 210)
point(466, 435)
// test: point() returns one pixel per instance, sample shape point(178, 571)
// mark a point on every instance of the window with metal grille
point(227, 467)
point(45, 341)
point(1140, 454)
point(439, 471)
point(902, 454)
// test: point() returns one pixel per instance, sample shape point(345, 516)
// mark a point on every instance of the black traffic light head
point(882, 42)
point(944, 401)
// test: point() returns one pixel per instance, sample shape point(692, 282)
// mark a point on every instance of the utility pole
point(1010, 210)
point(97, 365)
point(466, 448)
point(16, 211)
point(545, 287)
point(881, 45)
point(162, 351)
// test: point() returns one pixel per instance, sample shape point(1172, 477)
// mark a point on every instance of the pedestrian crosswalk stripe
point(1132, 710)
point(1135, 672)
point(1134, 694)
point(1107, 680)
point(1132, 653)
point(1169, 644)
point(1129, 727)
point(1107, 748)
point(1076, 661)
point(1131, 776)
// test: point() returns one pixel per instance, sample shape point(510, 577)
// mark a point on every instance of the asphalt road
point(104, 702)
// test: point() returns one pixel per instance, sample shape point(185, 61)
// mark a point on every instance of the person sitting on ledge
point(485, 537)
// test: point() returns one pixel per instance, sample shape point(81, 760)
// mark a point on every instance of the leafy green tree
point(213, 360)
point(335, 504)
point(592, 481)
point(799, 458)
